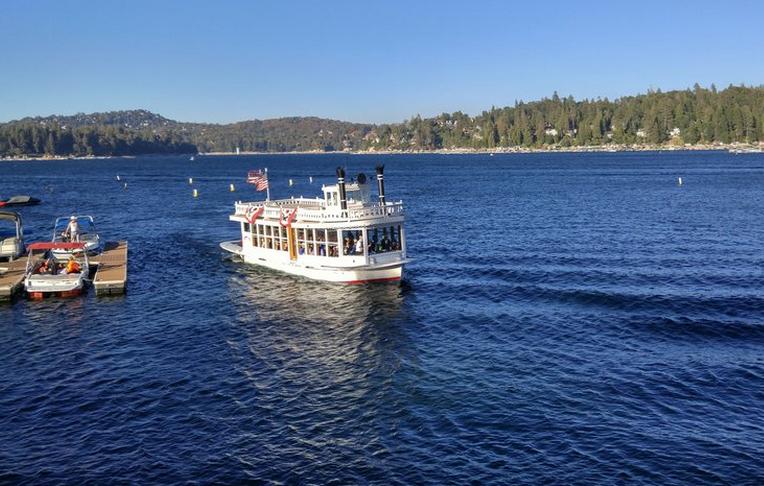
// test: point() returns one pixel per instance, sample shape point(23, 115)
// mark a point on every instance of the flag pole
point(267, 186)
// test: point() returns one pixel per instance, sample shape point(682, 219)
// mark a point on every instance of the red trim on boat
point(70, 293)
point(388, 279)
point(62, 294)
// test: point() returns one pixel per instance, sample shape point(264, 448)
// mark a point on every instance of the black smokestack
point(381, 183)
point(341, 185)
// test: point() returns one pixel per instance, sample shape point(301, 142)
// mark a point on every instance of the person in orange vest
point(72, 266)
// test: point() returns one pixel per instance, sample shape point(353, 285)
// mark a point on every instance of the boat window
point(265, 239)
point(383, 239)
point(302, 241)
point(350, 240)
point(256, 234)
point(246, 228)
point(277, 237)
point(330, 239)
point(311, 241)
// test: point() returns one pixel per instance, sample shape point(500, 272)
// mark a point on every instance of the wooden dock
point(12, 277)
point(111, 275)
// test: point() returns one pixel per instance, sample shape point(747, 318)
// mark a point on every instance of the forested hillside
point(692, 116)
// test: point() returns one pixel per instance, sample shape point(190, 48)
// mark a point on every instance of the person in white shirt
point(359, 246)
point(72, 231)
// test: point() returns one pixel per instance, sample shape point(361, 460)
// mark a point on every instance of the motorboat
point(76, 229)
point(345, 236)
point(50, 275)
point(11, 235)
point(19, 201)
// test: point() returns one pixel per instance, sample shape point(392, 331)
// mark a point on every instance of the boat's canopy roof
point(52, 245)
point(9, 216)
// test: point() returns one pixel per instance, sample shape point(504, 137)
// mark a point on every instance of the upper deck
point(317, 211)
point(344, 202)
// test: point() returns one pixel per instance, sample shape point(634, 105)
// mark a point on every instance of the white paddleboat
point(345, 236)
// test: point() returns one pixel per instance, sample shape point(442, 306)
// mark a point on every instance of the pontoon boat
point(11, 237)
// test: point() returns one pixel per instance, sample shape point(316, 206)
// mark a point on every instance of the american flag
point(259, 179)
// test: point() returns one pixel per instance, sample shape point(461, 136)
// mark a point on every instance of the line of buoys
point(679, 181)
point(118, 178)
point(190, 180)
point(231, 188)
point(310, 179)
point(125, 186)
point(196, 193)
point(291, 182)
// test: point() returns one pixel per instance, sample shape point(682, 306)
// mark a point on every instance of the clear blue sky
point(223, 61)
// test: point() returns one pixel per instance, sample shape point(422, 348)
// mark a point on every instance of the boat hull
point(91, 247)
point(40, 286)
point(65, 294)
point(388, 272)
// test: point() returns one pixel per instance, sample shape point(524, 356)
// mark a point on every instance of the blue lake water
point(569, 318)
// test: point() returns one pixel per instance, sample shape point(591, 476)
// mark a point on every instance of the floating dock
point(12, 277)
point(111, 275)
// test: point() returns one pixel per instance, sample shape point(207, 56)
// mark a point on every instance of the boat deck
point(111, 275)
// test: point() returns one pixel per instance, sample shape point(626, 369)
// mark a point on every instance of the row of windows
point(265, 236)
point(382, 239)
point(320, 242)
point(323, 242)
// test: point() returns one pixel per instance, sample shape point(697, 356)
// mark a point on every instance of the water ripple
point(569, 319)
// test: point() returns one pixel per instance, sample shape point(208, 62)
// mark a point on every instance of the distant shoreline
point(732, 147)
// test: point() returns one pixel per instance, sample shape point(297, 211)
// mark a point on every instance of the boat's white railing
point(316, 210)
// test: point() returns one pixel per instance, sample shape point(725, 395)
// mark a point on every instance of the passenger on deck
point(72, 231)
point(44, 267)
point(359, 246)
